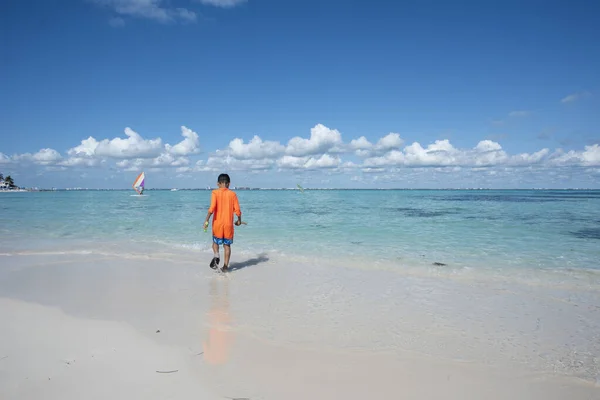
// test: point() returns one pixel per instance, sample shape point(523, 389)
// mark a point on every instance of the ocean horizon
point(314, 188)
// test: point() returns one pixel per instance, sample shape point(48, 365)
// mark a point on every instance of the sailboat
point(138, 184)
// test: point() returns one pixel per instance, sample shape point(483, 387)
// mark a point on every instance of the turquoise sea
point(520, 279)
point(392, 229)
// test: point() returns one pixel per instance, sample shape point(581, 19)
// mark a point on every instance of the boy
point(223, 203)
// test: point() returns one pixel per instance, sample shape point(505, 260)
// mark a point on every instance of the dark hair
point(224, 178)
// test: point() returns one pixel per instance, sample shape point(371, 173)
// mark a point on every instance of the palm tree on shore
point(9, 181)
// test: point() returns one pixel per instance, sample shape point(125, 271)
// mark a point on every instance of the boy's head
point(223, 180)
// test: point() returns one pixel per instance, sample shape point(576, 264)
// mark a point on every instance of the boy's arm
point(211, 209)
point(236, 210)
point(207, 218)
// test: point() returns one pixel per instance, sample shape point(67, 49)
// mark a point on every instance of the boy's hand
point(238, 222)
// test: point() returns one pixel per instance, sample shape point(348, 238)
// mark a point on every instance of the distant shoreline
point(295, 189)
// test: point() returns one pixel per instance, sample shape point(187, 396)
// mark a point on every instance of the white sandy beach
point(100, 326)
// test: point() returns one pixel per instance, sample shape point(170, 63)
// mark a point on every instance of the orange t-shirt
point(223, 204)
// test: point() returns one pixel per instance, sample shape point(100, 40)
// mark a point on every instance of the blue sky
point(462, 93)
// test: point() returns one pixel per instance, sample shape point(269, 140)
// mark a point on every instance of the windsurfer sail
point(138, 184)
point(300, 187)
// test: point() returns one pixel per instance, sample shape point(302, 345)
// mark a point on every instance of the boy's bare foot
point(225, 268)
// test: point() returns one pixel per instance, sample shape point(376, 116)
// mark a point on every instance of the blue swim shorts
point(221, 241)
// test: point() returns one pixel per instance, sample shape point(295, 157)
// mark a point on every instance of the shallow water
point(475, 229)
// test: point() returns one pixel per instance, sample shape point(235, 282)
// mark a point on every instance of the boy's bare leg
point(215, 261)
point(227, 251)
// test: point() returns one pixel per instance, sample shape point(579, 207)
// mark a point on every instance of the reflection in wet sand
point(220, 336)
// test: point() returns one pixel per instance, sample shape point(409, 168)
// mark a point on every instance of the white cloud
point(575, 96)
point(149, 9)
point(42, 157)
point(4, 159)
point(255, 149)
point(590, 157)
point(387, 156)
point(224, 163)
point(167, 160)
point(370, 170)
point(389, 142)
point(325, 161)
point(322, 139)
point(293, 162)
point(437, 154)
point(394, 157)
point(81, 162)
point(486, 153)
point(83, 155)
point(134, 152)
point(364, 148)
point(525, 159)
point(164, 160)
point(360, 144)
point(303, 153)
point(441, 153)
point(133, 147)
point(222, 3)
point(189, 145)
point(47, 157)
point(483, 146)
point(86, 148)
point(347, 166)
